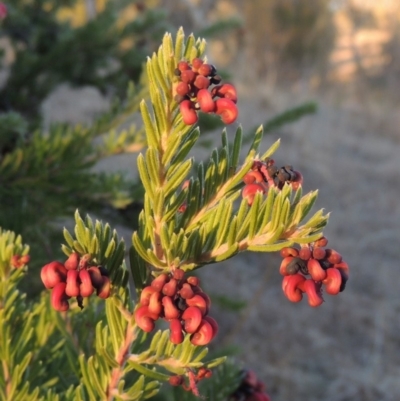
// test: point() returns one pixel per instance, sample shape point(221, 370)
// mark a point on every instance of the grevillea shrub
point(133, 323)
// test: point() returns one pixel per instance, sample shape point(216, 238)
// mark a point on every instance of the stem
point(121, 358)
point(7, 379)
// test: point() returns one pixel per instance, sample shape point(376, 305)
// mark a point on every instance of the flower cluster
point(324, 267)
point(75, 278)
point(250, 389)
point(199, 88)
point(265, 174)
point(18, 261)
point(182, 303)
point(193, 379)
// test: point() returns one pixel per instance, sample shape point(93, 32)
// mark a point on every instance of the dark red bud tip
point(289, 251)
point(297, 181)
point(333, 281)
point(176, 336)
point(59, 299)
point(175, 380)
point(203, 335)
point(315, 270)
point(95, 276)
point(206, 102)
point(192, 317)
point(104, 290)
point(227, 109)
point(144, 319)
point(188, 112)
point(72, 262)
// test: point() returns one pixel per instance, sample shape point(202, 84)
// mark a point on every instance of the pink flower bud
point(289, 251)
point(188, 76)
point(205, 69)
point(253, 176)
point(170, 288)
point(202, 83)
point(59, 299)
point(319, 253)
point(197, 63)
point(188, 112)
point(183, 66)
point(214, 325)
point(199, 301)
point(192, 317)
point(333, 256)
point(249, 191)
point(186, 291)
point(206, 102)
point(305, 253)
point(227, 109)
point(146, 294)
point(182, 88)
point(155, 306)
point(104, 290)
point(193, 280)
point(315, 270)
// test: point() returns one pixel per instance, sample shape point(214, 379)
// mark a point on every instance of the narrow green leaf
point(269, 247)
point(271, 150)
point(147, 372)
point(151, 130)
point(68, 238)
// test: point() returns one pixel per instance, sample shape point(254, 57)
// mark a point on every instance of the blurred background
point(345, 56)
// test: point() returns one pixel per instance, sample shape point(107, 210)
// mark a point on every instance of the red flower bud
point(176, 336)
point(186, 291)
point(170, 288)
point(227, 109)
point(175, 380)
point(193, 280)
point(144, 319)
point(183, 66)
point(205, 69)
point(203, 335)
point(72, 262)
point(155, 306)
point(199, 301)
point(343, 267)
point(146, 294)
point(52, 274)
point(333, 256)
point(182, 88)
point(59, 299)
point(72, 288)
point(292, 287)
point(313, 292)
point(24, 260)
point(315, 270)
point(95, 276)
point(305, 253)
point(289, 251)
point(188, 76)
point(86, 287)
point(213, 323)
point(178, 274)
point(202, 83)
point(253, 176)
point(197, 63)
point(319, 253)
point(159, 282)
point(285, 262)
point(188, 112)
point(322, 242)
point(249, 191)
point(170, 310)
point(226, 91)
point(206, 102)
point(104, 290)
point(333, 281)
point(192, 317)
